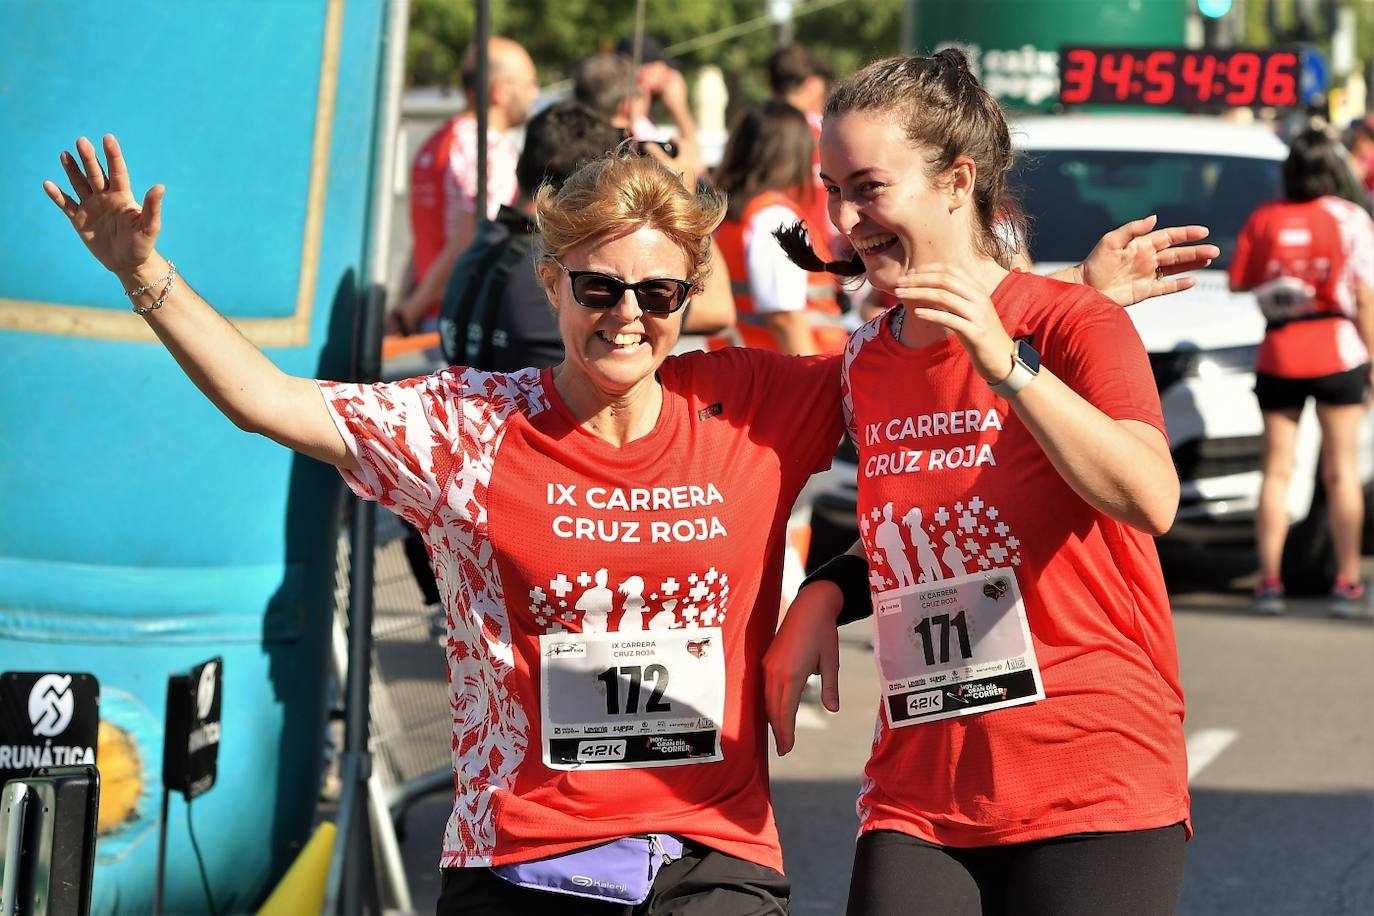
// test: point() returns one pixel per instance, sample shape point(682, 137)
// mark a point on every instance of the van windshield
point(1073, 196)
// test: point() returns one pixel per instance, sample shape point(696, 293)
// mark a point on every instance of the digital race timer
point(1179, 77)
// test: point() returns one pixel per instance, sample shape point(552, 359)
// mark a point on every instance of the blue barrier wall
point(143, 532)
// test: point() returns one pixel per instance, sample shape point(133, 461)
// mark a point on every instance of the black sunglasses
point(658, 296)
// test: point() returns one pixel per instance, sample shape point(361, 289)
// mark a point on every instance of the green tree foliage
point(558, 33)
point(439, 33)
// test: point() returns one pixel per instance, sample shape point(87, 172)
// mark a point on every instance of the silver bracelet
point(170, 280)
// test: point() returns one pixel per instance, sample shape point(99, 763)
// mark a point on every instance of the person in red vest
point(443, 177)
point(1309, 259)
point(766, 171)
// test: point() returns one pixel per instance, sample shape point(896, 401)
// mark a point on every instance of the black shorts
point(1135, 873)
point(701, 883)
point(1338, 389)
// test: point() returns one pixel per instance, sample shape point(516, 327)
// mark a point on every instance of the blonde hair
point(623, 190)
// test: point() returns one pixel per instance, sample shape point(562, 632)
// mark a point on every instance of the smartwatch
point(1025, 365)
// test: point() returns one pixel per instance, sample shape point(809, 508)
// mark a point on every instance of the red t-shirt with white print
point(536, 527)
point(1329, 244)
point(972, 492)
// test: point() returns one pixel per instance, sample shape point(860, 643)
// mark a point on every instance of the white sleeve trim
point(776, 284)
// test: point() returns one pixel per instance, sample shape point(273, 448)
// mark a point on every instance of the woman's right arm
point(243, 383)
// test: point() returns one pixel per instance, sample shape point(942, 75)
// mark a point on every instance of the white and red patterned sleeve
point(405, 436)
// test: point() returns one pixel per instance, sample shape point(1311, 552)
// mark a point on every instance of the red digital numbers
point(1242, 76)
point(1080, 71)
point(1159, 75)
point(1179, 77)
point(1116, 71)
point(1199, 72)
point(1280, 87)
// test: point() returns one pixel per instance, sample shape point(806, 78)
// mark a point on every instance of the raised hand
point(121, 234)
point(1132, 263)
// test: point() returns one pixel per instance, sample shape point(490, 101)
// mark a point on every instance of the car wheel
point(827, 540)
point(1309, 562)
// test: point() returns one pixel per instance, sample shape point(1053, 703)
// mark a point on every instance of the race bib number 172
point(648, 698)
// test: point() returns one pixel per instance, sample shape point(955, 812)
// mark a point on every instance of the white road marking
point(1206, 746)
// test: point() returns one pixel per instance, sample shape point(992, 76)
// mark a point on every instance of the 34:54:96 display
point(1178, 78)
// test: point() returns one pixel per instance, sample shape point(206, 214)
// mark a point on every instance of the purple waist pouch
point(621, 871)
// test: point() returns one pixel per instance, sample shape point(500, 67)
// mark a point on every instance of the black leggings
point(1136, 873)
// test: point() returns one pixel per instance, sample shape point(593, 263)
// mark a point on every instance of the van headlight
point(1177, 365)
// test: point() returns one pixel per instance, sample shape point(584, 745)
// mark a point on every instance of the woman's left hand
point(948, 297)
point(1132, 263)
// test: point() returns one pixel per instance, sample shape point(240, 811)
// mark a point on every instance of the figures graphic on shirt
point(925, 549)
point(633, 617)
point(595, 605)
point(888, 538)
point(664, 619)
point(701, 598)
point(953, 557)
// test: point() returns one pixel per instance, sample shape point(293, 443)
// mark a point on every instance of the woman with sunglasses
point(607, 536)
point(600, 531)
point(1013, 466)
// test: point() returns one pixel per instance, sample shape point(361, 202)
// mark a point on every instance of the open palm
point(104, 213)
point(1133, 263)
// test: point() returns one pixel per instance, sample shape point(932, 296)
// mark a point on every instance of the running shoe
point(1347, 599)
point(1269, 597)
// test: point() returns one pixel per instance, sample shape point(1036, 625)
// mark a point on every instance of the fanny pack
point(1286, 299)
point(621, 871)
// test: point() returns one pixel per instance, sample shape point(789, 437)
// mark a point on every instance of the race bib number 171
point(955, 647)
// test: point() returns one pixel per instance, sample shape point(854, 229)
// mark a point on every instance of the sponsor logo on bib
point(596, 751)
point(919, 704)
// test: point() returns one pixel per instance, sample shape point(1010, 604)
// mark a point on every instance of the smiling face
point(882, 199)
point(612, 352)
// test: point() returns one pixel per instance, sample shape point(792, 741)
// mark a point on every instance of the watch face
point(1028, 355)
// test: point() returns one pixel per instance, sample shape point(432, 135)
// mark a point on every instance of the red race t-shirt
point(443, 185)
point(609, 607)
point(1328, 243)
point(956, 501)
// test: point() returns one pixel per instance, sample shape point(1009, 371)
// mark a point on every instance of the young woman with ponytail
point(1013, 468)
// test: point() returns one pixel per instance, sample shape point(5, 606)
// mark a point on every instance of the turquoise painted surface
point(143, 532)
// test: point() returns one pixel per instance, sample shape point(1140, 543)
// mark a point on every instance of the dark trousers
point(1134, 873)
point(702, 883)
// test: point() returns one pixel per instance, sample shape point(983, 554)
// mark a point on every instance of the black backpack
point(469, 309)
